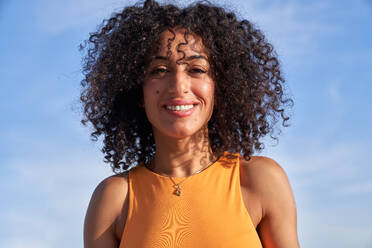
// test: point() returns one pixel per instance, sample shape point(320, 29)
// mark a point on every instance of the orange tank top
point(209, 213)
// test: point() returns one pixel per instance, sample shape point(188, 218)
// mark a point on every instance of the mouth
point(180, 108)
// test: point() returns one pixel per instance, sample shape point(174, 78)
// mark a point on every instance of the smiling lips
point(180, 108)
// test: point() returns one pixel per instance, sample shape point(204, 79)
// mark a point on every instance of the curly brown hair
point(249, 87)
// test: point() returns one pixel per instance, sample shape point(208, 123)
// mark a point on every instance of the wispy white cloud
point(334, 93)
point(361, 56)
point(54, 198)
point(319, 154)
point(50, 189)
point(324, 229)
point(28, 230)
point(357, 188)
point(291, 25)
point(324, 175)
point(54, 17)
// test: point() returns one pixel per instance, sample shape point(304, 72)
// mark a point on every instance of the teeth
point(179, 107)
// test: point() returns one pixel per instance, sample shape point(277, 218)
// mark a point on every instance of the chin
point(180, 133)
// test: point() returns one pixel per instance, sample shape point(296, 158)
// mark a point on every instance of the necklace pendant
point(178, 191)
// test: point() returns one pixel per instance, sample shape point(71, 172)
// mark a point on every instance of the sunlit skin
point(182, 79)
point(172, 79)
point(182, 147)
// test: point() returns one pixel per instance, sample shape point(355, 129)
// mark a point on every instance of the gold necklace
point(178, 189)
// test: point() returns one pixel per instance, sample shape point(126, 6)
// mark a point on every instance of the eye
point(198, 70)
point(159, 71)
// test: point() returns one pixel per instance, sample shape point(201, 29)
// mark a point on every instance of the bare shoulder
point(113, 186)
point(105, 209)
point(263, 171)
point(111, 192)
point(268, 185)
point(267, 179)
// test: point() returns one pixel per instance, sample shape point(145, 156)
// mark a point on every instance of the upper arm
point(278, 225)
point(105, 208)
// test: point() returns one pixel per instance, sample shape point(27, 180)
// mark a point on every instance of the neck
point(182, 157)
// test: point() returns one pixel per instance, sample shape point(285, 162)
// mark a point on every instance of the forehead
point(177, 41)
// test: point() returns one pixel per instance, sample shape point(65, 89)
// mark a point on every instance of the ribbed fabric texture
point(210, 211)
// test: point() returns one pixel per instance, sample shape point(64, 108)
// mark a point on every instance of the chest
point(215, 204)
point(189, 222)
point(250, 201)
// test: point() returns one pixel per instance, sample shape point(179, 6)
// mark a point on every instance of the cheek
point(150, 91)
point(207, 90)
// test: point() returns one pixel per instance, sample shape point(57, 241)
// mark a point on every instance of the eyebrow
point(187, 58)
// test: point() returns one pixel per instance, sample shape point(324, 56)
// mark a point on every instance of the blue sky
point(49, 167)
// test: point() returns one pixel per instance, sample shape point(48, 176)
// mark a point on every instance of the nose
point(179, 82)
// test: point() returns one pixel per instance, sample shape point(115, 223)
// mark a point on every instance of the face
point(178, 89)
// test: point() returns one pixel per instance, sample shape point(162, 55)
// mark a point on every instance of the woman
point(183, 98)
